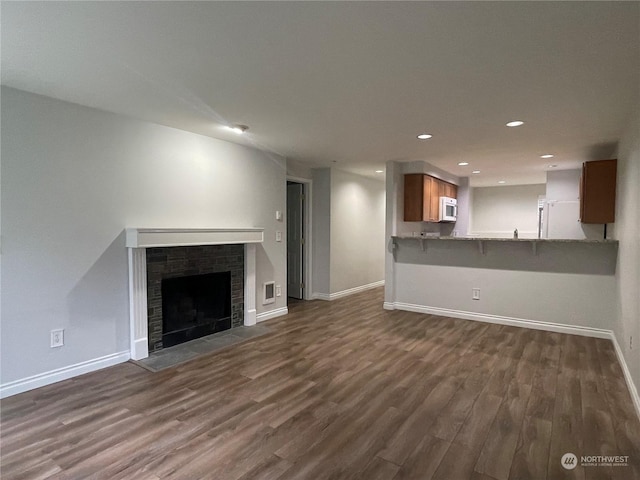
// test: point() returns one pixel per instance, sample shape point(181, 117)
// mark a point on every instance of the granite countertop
point(490, 239)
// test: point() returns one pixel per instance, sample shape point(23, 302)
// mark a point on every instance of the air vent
point(269, 293)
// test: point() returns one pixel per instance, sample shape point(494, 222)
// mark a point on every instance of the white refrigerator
point(561, 219)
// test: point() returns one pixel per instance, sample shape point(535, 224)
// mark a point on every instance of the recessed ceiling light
point(546, 155)
point(501, 181)
point(462, 164)
point(553, 166)
point(424, 136)
point(239, 129)
point(379, 171)
point(476, 171)
point(515, 123)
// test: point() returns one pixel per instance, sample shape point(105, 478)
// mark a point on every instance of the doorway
point(298, 239)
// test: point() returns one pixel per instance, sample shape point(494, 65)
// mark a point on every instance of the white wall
point(357, 231)
point(563, 185)
point(72, 179)
point(498, 211)
point(627, 232)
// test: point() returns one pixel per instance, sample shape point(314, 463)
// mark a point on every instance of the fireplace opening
point(195, 306)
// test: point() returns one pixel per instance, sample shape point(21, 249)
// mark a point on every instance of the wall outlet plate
point(57, 338)
point(475, 293)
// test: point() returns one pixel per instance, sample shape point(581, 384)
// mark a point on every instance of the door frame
point(307, 264)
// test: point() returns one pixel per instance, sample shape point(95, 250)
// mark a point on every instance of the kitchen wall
point(497, 211)
point(626, 317)
point(348, 238)
point(72, 179)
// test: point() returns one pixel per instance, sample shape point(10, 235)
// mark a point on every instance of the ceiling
point(349, 84)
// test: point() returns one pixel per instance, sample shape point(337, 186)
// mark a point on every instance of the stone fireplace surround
point(138, 240)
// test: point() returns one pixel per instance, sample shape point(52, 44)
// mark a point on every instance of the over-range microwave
point(448, 209)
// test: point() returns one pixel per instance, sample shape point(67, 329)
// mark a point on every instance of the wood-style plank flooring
point(339, 390)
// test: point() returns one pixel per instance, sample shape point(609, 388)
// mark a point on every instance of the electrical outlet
point(278, 291)
point(475, 294)
point(278, 236)
point(57, 338)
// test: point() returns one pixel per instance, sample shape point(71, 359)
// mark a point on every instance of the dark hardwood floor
point(339, 390)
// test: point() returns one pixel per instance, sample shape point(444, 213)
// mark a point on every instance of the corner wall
point(348, 233)
point(73, 178)
point(627, 232)
point(357, 231)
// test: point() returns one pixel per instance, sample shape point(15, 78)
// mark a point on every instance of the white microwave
point(448, 209)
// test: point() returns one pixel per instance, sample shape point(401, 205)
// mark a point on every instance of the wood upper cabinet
point(422, 197)
point(598, 191)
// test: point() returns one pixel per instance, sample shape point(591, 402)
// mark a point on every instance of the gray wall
point(627, 231)
point(321, 231)
point(72, 179)
point(348, 231)
point(357, 231)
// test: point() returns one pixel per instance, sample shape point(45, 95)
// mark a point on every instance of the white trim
point(138, 320)
point(633, 390)
point(250, 293)
point(278, 312)
point(350, 291)
point(501, 320)
point(320, 296)
point(388, 306)
point(64, 373)
point(181, 237)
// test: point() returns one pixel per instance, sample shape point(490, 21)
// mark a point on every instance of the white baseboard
point(534, 324)
point(501, 320)
point(633, 390)
point(64, 373)
point(261, 317)
point(345, 293)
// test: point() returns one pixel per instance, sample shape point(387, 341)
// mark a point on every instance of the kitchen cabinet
point(598, 191)
point(422, 197)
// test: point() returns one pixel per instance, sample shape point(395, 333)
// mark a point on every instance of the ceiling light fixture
point(546, 155)
point(476, 171)
point(424, 136)
point(239, 129)
point(515, 123)
point(379, 171)
point(463, 164)
point(501, 181)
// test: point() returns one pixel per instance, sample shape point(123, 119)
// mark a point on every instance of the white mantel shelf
point(184, 237)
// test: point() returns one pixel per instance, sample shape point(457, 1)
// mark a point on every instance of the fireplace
point(195, 306)
point(193, 292)
point(151, 259)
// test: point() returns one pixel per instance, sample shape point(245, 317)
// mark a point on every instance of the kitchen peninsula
point(562, 285)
